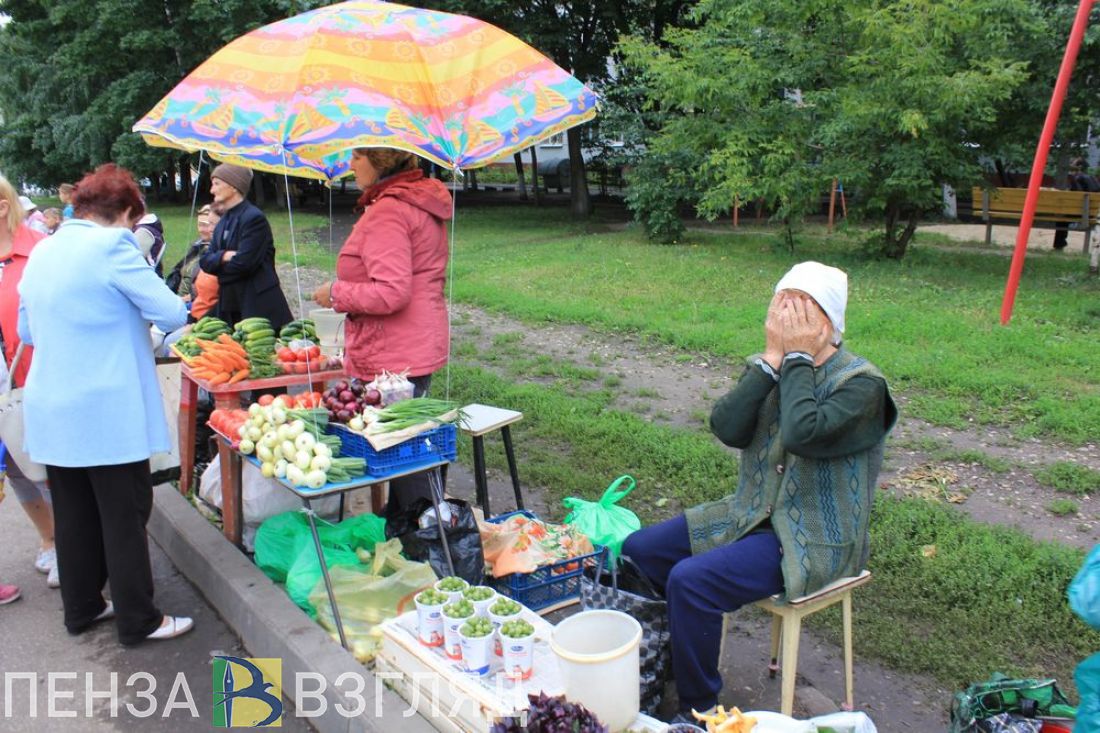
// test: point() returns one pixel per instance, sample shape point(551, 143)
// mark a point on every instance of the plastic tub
point(599, 659)
point(330, 327)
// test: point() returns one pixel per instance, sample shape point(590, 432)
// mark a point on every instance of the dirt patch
point(1003, 237)
point(667, 386)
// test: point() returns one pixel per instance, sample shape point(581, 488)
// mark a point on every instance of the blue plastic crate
point(432, 445)
point(550, 584)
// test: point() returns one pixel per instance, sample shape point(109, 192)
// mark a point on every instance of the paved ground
point(33, 639)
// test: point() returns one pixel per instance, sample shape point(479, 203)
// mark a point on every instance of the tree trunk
point(472, 175)
point(1002, 174)
point(580, 203)
point(258, 190)
point(522, 185)
point(535, 176)
point(185, 178)
point(280, 192)
point(895, 242)
point(171, 193)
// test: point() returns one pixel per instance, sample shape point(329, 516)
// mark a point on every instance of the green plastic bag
point(1000, 694)
point(604, 521)
point(285, 551)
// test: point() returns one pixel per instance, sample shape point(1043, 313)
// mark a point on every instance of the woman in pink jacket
point(390, 278)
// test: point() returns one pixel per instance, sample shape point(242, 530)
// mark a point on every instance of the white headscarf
point(828, 286)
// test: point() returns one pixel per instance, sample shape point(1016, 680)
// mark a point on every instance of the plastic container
point(599, 660)
point(518, 656)
point(431, 445)
point(429, 621)
point(549, 585)
point(330, 328)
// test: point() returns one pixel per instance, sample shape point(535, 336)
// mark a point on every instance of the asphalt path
point(33, 640)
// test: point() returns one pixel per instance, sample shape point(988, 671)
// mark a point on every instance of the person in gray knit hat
point(236, 176)
point(242, 253)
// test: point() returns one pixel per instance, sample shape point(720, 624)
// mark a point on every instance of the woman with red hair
point(92, 403)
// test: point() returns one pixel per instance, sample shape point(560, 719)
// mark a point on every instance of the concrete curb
point(270, 625)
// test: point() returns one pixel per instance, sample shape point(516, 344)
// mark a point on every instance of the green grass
point(990, 599)
point(930, 322)
point(1062, 507)
point(1069, 477)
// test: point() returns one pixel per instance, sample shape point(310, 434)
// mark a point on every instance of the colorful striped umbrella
point(295, 96)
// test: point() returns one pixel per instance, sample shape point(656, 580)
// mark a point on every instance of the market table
point(228, 396)
point(235, 461)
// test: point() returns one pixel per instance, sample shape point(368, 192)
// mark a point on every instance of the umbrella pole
point(294, 242)
point(456, 172)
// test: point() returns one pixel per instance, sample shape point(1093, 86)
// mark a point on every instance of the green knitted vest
point(819, 509)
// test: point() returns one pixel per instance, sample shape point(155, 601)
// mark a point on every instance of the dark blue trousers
point(699, 589)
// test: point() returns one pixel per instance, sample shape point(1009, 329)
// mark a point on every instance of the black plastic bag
point(404, 524)
point(418, 531)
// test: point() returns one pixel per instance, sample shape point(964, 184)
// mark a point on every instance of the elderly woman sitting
point(811, 419)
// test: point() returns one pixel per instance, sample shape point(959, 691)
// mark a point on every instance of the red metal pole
point(1069, 60)
point(832, 206)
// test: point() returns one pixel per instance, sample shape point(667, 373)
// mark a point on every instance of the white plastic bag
point(260, 497)
point(853, 722)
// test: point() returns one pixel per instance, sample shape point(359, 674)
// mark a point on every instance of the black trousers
point(99, 517)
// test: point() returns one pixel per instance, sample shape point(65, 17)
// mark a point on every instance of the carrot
point(219, 379)
point(240, 375)
point(204, 374)
point(226, 339)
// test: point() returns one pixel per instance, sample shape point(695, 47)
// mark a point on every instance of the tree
point(577, 35)
point(775, 100)
point(78, 74)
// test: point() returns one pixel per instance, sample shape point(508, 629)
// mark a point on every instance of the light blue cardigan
point(87, 297)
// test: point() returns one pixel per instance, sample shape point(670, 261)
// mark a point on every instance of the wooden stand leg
point(479, 475)
point(846, 607)
point(232, 513)
point(189, 398)
point(506, 434)
point(792, 629)
point(378, 498)
point(777, 634)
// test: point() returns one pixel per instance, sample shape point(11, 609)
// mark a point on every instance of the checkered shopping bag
point(627, 589)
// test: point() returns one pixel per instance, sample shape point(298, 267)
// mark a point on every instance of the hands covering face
point(794, 323)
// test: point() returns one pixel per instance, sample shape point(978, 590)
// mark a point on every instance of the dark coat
point(248, 285)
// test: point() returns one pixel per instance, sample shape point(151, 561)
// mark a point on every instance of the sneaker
point(171, 627)
point(8, 593)
point(107, 613)
point(46, 560)
point(53, 580)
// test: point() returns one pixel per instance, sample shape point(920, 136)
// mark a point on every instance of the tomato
point(303, 355)
point(266, 399)
point(314, 351)
point(286, 354)
point(301, 368)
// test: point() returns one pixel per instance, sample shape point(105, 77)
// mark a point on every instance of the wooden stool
point(787, 625)
point(478, 421)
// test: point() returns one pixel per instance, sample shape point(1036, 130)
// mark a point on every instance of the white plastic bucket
point(599, 658)
point(330, 327)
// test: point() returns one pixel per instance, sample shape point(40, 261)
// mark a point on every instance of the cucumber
point(260, 335)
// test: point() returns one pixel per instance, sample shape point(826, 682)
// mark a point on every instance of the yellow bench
point(1053, 208)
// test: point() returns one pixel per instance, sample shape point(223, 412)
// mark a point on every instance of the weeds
point(1070, 478)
